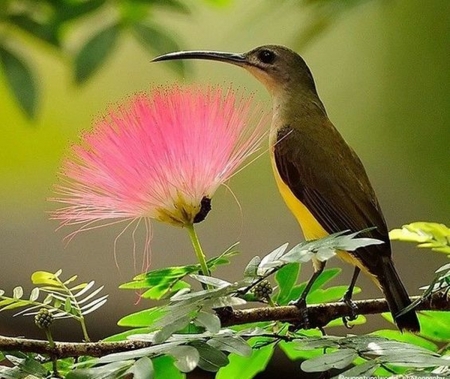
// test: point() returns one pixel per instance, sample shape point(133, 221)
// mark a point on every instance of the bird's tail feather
point(398, 298)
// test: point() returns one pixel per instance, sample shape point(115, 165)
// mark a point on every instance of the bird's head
point(277, 67)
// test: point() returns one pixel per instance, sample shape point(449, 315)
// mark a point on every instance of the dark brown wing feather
point(329, 179)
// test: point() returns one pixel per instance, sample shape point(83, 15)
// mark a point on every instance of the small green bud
point(263, 290)
point(43, 319)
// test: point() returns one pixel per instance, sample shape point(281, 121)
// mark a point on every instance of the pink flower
point(160, 156)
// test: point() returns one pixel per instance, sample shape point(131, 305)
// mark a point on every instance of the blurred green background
point(382, 69)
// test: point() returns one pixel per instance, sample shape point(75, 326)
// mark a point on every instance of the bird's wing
point(330, 180)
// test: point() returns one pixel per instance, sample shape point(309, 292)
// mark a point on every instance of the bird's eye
point(266, 56)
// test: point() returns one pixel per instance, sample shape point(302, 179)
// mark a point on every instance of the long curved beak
point(236, 59)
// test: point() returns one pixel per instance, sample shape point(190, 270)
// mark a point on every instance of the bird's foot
point(353, 311)
point(303, 308)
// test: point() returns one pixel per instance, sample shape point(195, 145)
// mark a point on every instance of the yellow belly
point(310, 226)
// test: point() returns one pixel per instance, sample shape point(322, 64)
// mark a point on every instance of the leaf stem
point(49, 336)
point(270, 302)
point(84, 329)
point(74, 303)
point(52, 345)
point(198, 249)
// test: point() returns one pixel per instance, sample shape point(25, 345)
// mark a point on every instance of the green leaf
point(360, 320)
point(406, 337)
point(186, 357)
point(107, 371)
point(45, 278)
point(20, 80)
point(163, 334)
point(80, 286)
point(34, 294)
point(27, 364)
point(175, 315)
point(427, 234)
point(31, 365)
point(420, 232)
point(210, 280)
point(247, 367)
point(227, 301)
point(86, 288)
point(324, 278)
point(176, 312)
point(138, 353)
point(46, 31)
point(165, 368)
point(159, 42)
point(74, 9)
point(172, 4)
point(94, 53)
point(70, 280)
point(17, 292)
point(224, 258)
point(48, 299)
point(183, 296)
point(142, 369)
point(271, 260)
point(231, 344)
point(142, 318)
point(286, 278)
point(363, 370)
point(92, 306)
point(10, 373)
point(326, 247)
point(165, 290)
point(57, 303)
point(316, 343)
point(252, 267)
point(329, 294)
point(374, 345)
point(292, 351)
point(445, 268)
point(350, 243)
point(167, 275)
point(175, 5)
point(435, 325)
point(209, 321)
point(67, 305)
point(337, 359)
point(407, 358)
point(211, 359)
point(9, 304)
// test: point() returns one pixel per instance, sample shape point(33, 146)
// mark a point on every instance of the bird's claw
point(302, 307)
point(353, 311)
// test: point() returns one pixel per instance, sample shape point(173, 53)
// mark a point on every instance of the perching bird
point(319, 176)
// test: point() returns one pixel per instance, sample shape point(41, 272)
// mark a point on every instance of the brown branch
point(319, 316)
point(68, 349)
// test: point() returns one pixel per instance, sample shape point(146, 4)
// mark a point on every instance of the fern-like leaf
point(60, 300)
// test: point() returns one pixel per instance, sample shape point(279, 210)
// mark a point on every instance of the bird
point(320, 177)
